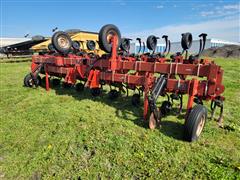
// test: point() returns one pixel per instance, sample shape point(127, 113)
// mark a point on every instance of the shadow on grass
point(124, 108)
point(172, 129)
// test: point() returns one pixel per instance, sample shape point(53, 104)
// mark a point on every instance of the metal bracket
point(214, 104)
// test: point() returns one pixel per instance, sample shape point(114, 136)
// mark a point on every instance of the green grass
point(15, 59)
point(63, 134)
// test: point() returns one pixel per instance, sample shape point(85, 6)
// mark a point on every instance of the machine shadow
point(172, 129)
point(123, 105)
point(124, 109)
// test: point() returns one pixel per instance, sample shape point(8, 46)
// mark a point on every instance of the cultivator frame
point(154, 75)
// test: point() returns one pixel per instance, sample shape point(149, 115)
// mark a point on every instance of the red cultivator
point(152, 74)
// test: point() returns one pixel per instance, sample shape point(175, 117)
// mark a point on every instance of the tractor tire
point(62, 42)
point(91, 45)
point(186, 41)
point(51, 48)
point(75, 45)
point(105, 35)
point(125, 44)
point(79, 87)
point(195, 122)
point(136, 100)
point(152, 42)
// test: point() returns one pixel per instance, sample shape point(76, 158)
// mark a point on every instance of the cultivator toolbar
point(152, 74)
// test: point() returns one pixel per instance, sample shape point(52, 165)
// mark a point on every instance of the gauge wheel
point(186, 41)
point(51, 47)
point(91, 45)
point(29, 82)
point(62, 42)
point(75, 45)
point(152, 42)
point(105, 35)
point(195, 123)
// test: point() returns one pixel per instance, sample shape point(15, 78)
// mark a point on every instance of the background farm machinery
point(152, 74)
point(84, 40)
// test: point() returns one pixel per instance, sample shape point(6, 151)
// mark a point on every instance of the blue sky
point(220, 19)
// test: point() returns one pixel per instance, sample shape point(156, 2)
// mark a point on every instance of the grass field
point(63, 134)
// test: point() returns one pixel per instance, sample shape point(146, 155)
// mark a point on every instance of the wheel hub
point(63, 42)
point(200, 126)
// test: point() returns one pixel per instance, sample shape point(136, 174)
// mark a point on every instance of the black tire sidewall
point(150, 39)
point(75, 45)
point(56, 46)
point(191, 124)
point(103, 43)
point(186, 41)
point(51, 47)
point(26, 80)
point(91, 46)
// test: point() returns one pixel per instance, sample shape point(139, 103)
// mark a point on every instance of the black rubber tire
point(51, 47)
point(113, 94)
point(125, 44)
point(136, 100)
point(152, 42)
point(165, 108)
point(186, 41)
point(28, 81)
point(193, 121)
point(79, 87)
point(75, 45)
point(106, 30)
point(91, 45)
point(57, 46)
point(95, 92)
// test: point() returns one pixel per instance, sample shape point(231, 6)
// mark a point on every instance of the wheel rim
point(30, 82)
point(200, 126)
point(152, 121)
point(110, 35)
point(63, 42)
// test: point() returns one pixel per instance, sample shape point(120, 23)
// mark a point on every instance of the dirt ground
point(228, 51)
